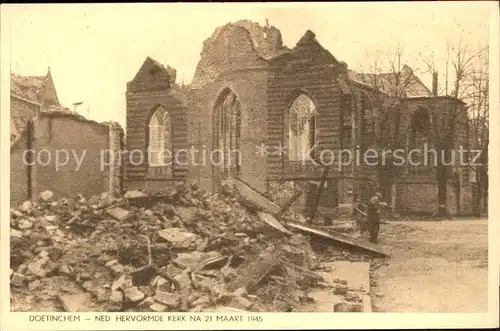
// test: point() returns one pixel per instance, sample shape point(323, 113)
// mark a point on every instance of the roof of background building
point(387, 82)
point(27, 87)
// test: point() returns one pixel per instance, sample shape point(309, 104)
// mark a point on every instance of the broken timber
point(342, 239)
point(321, 187)
point(270, 220)
point(255, 200)
point(267, 210)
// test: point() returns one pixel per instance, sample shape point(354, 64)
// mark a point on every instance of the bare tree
point(463, 83)
point(391, 72)
point(478, 102)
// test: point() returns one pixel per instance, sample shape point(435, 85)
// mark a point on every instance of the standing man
point(374, 217)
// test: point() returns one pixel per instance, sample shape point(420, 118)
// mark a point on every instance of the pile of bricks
point(182, 250)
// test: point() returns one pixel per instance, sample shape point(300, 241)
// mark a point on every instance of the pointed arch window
point(347, 135)
point(368, 118)
point(302, 128)
point(420, 140)
point(160, 138)
point(227, 135)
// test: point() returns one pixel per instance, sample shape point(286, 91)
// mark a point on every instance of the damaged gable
point(308, 51)
point(308, 44)
point(235, 46)
point(153, 76)
point(39, 89)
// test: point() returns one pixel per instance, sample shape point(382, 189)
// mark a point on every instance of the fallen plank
point(297, 217)
point(273, 222)
point(372, 248)
point(320, 193)
point(255, 200)
point(286, 205)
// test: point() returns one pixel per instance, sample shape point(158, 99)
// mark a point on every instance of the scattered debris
point(348, 307)
point(181, 250)
point(46, 195)
point(180, 238)
point(75, 303)
point(118, 213)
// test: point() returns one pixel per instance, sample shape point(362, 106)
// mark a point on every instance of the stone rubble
point(181, 250)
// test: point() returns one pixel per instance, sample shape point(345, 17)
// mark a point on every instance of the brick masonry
point(266, 76)
point(153, 86)
point(116, 169)
point(21, 111)
point(57, 132)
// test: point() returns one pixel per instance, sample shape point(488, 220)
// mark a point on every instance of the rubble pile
point(181, 250)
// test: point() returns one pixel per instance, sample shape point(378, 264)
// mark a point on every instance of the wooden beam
point(255, 200)
point(320, 193)
point(290, 201)
point(339, 238)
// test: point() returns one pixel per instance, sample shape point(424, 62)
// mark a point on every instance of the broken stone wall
point(21, 110)
point(63, 137)
point(116, 168)
point(424, 198)
point(420, 198)
point(18, 172)
point(249, 86)
point(230, 60)
point(441, 109)
point(466, 203)
point(235, 46)
point(154, 86)
point(308, 69)
point(140, 105)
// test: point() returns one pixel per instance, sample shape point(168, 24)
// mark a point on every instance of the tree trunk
point(476, 200)
point(458, 193)
point(485, 194)
point(441, 178)
point(442, 194)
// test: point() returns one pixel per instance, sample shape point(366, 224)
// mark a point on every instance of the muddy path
point(437, 266)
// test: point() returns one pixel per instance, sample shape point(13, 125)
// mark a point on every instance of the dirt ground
point(437, 266)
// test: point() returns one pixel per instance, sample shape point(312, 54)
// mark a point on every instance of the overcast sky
point(93, 50)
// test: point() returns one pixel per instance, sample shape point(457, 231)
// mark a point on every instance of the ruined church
point(251, 96)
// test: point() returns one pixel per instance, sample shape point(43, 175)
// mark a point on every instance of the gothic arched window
point(227, 134)
point(302, 128)
point(419, 142)
point(160, 138)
